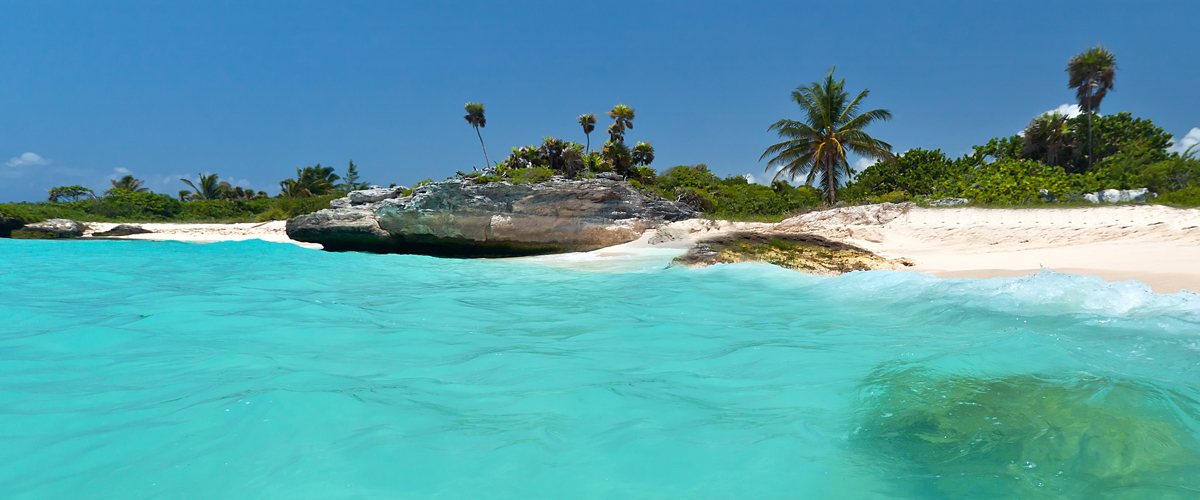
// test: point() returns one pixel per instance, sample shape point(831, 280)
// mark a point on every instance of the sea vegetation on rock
point(799, 252)
point(1076, 437)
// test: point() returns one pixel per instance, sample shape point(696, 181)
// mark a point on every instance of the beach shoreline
point(1152, 244)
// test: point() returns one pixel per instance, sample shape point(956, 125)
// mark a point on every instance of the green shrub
point(127, 205)
point(1188, 197)
point(214, 210)
point(531, 175)
point(292, 207)
point(275, 213)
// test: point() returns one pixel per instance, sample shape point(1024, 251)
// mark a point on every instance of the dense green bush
point(1187, 197)
point(916, 173)
point(127, 205)
point(733, 197)
point(531, 175)
point(1015, 181)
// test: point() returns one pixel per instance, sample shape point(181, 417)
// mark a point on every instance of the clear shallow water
point(258, 370)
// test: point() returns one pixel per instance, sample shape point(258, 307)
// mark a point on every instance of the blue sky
point(253, 90)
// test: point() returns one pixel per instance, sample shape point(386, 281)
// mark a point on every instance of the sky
point(251, 91)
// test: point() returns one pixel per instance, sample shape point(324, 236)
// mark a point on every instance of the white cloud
point(1070, 110)
point(27, 158)
point(863, 163)
point(766, 178)
point(1191, 139)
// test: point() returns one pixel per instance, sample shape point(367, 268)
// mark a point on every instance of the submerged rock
point(1140, 195)
point(123, 230)
point(1077, 437)
point(806, 253)
point(460, 218)
point(51, 229)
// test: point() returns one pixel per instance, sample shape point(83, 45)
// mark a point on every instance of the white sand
point(273, 231)
point(1153, 244)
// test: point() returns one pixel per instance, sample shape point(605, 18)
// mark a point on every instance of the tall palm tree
point(622, 116)
point(1049, 139)
point(128, 183)
point(209, 188)
point(1091, 74)
point(832, 127)
point(476, 119)
point(588, 122)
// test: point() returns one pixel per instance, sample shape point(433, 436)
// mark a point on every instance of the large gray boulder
point(51, 229)
point(461, 218)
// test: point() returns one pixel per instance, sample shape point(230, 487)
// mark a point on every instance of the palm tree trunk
point(1089, 112)
point(589, 143)
point(487, 162)
point(830, 183)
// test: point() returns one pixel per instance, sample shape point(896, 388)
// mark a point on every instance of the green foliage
point(208, 189)
point(531, 175)
point(127, 183)
point(352, 181)
point(309, 181)
point(733, 197)
point(918, 172)
point(1030, 437)
point(1187, 197)
point(1015, 181)
point(815, 148)
point(62, 194)
point(999, 148)
point(1123, 135)
point(122, 204)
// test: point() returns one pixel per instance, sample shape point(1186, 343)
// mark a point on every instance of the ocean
point(259, 370)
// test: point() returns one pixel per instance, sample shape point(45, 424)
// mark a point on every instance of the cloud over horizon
point(1191, 139)
point(27, 159)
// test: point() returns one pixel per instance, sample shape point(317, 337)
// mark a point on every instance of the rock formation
point(806, 253)
point(51, 229)
point(461, 218)
point(122, 230)
point(9, 224)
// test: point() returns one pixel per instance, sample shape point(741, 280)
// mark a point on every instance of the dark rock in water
point(459, 218)
point(8, 225)
point(123, 230)
point(51, 229)
point(806, 253)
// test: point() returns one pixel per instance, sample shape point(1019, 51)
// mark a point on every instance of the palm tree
point(128, 183)
point(588, 122)
point(1091, 74)
point(1048, 139)
point(832, 127)
point(209, 188)
point(622, 116)
point(476, 119)
point(642, 154)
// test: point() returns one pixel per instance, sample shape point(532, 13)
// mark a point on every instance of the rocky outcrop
point(460, 218)
point(806, 253)
point(1141, 195)
point(8, 225)
point(122, 230)
point(51, 229)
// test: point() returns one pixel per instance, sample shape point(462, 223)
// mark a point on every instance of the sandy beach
point(274, 231)
point(1149, 243)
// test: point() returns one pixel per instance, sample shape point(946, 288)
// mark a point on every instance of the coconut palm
point(475, 117)
point(622, 116)
point(833, 127)
point(1049, 139)
point(209, 188)
point(588, 122)
point(128, 183)
point(1091, 74)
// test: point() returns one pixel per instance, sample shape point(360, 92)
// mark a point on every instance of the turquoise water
point(257, 370)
